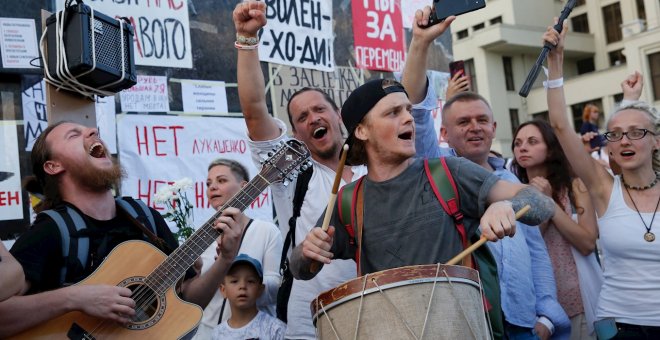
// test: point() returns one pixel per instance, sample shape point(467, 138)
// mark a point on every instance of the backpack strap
point(70, 223)
point(445, 190)
point(298, 198)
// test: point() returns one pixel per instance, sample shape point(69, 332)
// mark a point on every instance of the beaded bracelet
point(249, 41)
point(245, 47)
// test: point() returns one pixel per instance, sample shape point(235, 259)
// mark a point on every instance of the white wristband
point(554, 83)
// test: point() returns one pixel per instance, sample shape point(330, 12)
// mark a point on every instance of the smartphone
point(457, 66)
point(445, 8)
point(597, 142)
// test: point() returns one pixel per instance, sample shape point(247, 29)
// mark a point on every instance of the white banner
point(408, 9)
point(202, 96)
point(148, 95)
point(11, 196)
point(162, 29)
point(19, 42)
point(299, 33)
point(157, 150)
point(106, 121)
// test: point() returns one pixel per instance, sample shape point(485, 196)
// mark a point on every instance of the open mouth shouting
point(320, 132)
point(97, 150)
point(406, 135)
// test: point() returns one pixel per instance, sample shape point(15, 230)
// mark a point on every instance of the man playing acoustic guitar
point(76, 171)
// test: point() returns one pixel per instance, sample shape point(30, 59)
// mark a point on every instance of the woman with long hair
point(540, 162)
point(625, 204)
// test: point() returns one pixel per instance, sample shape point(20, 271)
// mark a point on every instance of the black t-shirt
point(39, 250)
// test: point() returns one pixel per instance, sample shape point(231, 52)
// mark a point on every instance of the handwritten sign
point(156, 152)
point(11, 196)
point(162, 29)
point(204, 96)
point(106, 121)
point(298, 33)
point(287, 80)
point(378, 32)
point(35, 118)
point(148, 95)
point(19, 42)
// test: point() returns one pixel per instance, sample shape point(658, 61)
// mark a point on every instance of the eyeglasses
point(633, 134)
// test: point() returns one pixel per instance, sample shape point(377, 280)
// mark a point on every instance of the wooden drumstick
point(333, 198)
point(481, 241)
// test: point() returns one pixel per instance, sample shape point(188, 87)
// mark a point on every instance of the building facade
point(608, 40)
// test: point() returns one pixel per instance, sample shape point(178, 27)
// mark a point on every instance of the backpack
point(72, 227)
point(444, 188)
point(284, 292)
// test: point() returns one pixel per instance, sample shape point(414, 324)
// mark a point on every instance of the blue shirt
point(527, 282)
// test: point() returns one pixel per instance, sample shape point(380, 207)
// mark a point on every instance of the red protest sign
point(378, 34)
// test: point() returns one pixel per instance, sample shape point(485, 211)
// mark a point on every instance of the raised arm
point(588, 169)
point(414, 72)
point(249, 17)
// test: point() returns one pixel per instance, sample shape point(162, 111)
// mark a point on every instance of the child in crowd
point(242, 286)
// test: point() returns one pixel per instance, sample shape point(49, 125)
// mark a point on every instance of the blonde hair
point(654, 118)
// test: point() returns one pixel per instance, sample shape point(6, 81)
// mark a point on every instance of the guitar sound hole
point(147, 302)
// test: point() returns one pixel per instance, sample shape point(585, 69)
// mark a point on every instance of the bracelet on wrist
point(554, 83)
point(245, 47)
point(247, 41)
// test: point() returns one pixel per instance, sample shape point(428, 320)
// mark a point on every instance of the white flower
point(182, 184)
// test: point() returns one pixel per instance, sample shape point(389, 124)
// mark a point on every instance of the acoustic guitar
point(151, 275)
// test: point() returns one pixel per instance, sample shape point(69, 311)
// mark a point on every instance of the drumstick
point(481, 241)
point(333, 197)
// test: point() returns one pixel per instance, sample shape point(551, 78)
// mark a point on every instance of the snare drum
point(415, 302)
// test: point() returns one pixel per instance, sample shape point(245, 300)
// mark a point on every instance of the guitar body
point(167, 318)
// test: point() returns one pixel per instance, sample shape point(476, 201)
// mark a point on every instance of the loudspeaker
point(79, 48)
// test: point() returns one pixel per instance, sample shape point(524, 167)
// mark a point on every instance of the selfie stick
point(534, 72)
point(333, 197)
point(481, 241)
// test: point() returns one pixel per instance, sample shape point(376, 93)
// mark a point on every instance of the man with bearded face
point(74, 169)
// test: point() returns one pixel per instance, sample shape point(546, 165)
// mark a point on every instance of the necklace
point(649, 186)
point(648, 236)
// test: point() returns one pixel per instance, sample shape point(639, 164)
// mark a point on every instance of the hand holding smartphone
point(446, 8)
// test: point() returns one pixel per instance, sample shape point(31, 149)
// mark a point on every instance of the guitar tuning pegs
point(270, 154)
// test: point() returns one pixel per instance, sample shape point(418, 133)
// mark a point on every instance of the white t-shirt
point(299, 317)
point(262, 327)
point(631, 286)
point(263, 241)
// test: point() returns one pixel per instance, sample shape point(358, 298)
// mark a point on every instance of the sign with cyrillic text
point(203, 96)
point(162, 29)
point(378, 34)
point(148, 95)
point(158, 151)
point(11, 195)
point(298, 33)
point(18, 40)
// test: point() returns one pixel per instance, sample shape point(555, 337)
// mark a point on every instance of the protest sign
point(18, 42)
point(162, 29)
point(157, 152)
point(11, 196)
point(378, 34)
point(148, 95)
point(298, 33)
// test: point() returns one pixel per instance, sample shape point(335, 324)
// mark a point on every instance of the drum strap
point(350, 203)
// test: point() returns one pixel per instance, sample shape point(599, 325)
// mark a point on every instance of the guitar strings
point(146, 295)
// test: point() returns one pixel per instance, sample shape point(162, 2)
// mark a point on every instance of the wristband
point(245, 47)
point(554, 83)
point(249, 41)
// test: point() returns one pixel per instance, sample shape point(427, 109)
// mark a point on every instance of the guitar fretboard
point(176, 265)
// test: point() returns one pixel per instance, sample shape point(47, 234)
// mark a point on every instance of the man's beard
point(329, 153)
point(97, 179)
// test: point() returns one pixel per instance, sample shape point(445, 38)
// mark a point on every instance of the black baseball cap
point(363, 99)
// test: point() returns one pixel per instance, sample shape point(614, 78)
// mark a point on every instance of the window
point(618, 98)
point(462, 34)
point(495, 21)
point(508, 73)
point(478, 27)
point(579, 3)
point(585, 66)
point(515, 121)
point(580, 23)
point(541, 115)
point(617, 58)
point(654, 65)
point(612, 20)
point(472, 73)
point(641, 10)
point(577, 110)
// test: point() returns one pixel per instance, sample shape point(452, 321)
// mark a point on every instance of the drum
point(415, 302)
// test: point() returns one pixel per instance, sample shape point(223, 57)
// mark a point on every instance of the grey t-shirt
point(404, 223)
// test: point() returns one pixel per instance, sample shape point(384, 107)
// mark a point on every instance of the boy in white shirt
point(242, 286)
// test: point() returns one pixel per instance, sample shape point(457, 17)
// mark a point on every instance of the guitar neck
point(176, 265)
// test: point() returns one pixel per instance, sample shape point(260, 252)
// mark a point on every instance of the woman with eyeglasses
point(626, 204)
point(540, 162)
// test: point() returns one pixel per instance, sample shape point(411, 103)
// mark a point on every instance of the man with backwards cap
point(403, 222)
